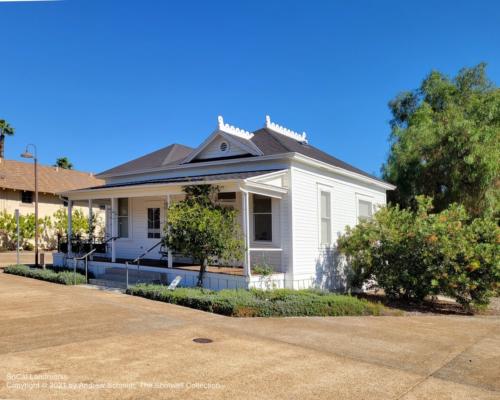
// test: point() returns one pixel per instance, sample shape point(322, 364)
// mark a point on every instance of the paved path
point(57, 335)
point(25, 257)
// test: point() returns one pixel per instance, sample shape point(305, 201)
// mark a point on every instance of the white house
point(293, 199)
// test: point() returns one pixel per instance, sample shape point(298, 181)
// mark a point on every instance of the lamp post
point(33, 155)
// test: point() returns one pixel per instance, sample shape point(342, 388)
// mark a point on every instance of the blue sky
point(105, 81)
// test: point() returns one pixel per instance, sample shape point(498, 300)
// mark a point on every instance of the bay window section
point(262, 218)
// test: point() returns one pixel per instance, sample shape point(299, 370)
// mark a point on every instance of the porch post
point(114, 227)
point(170, 259)
point(70, 225)
point(246, 233)
point(90, 221)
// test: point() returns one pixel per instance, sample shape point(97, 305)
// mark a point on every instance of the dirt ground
point(61, 342)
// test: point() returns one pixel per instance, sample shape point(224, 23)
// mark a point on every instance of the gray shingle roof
point(268, 141)
point(170, 155)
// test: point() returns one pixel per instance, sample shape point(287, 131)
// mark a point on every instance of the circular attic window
point(224, 146)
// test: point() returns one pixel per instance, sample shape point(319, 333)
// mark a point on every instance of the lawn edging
point(261, 303)
point(63, 277)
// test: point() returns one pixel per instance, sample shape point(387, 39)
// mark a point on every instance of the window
point(123, 218)
point(262, 218)
point(154, 223)
point(326, 219)
point(27, 197)
point(364, 210)
point(227, 196)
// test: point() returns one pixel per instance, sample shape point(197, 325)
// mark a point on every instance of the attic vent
point(224, 147)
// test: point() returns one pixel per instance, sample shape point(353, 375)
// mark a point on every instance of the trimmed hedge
point(260, 303)
point(64, 277)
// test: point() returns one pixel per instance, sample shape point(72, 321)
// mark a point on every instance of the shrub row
point(64, 277)
point(259, 303)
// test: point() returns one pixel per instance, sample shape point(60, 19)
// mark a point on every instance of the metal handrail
point(139, 258)
point(110, 239)
point(86, 257)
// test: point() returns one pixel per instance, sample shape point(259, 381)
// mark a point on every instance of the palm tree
point(5, 130)
point(63, 162)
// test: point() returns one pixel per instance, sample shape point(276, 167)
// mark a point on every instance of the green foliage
point(263, 269)
point(198, 227)
point(64, 277)
point(63, 162)
point(80, 222)
point(8, 229)
point(412, 254)
point(445, 142)
point(259, 303)
point(5, 128)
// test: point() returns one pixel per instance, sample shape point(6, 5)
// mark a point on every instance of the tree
point(63, 162)
point(445, 142)
point(198, 227)
point(5, 130)
point(80, 222)
point(413, 254)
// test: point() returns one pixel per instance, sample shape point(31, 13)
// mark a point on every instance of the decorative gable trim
point(231, 134)
point(224, 127)
point(300, 137)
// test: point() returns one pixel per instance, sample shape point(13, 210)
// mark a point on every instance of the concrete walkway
point(75, 342)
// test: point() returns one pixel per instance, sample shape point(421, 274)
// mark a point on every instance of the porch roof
point(176, 181)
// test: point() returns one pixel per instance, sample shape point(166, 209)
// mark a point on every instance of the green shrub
point(415, 254)
point(259, 303)
point(64, 277)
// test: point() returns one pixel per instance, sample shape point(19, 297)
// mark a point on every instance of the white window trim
point(129, 238)
point(325, 188)
point(367, 198)
point(252, 213)
point(147, 221)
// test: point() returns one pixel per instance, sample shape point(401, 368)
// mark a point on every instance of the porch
point(136, 215)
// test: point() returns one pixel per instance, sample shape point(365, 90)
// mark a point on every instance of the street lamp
point(33, 155)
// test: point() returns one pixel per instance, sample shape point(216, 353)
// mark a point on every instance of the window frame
point(118, 216)
point(365, 198)
point(270, 213)
point(153, 230)
point(25, 192)
point(325, 189)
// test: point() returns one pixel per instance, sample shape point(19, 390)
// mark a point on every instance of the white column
point(90, 219)
point(70, 226)
point(114, 227)
point(170, 259)
point(246, 233)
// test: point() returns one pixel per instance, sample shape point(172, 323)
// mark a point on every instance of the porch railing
point(138, 259)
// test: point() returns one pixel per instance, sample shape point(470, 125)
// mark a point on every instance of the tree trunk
point(203, 268)
point(2, 145)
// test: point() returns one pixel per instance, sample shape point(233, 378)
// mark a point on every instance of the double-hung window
point(262, 218)
point(364, 210)
point(154, 223)
point(326, 218)
point(123, 218)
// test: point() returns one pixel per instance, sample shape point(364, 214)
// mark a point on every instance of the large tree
point(5, 130)
point(63, 162)
point(445, 142)
point(200, 228)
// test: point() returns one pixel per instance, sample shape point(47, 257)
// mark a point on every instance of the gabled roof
point(271, 143)
point(19, 175)
point(272, 140)
point(170, 155)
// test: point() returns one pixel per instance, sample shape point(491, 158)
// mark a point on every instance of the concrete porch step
point(108, 283)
